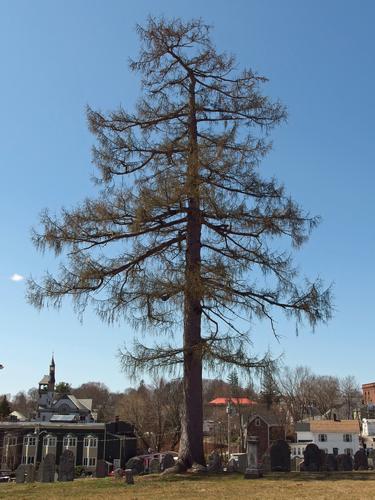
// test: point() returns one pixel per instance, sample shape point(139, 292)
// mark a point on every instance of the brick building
point(368, 392)
point(267, 428)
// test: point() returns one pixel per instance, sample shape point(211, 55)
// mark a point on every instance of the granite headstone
point(66, 466)
point(20, 474)
point(101, 469)
point(280, 456)
point(47, 469)
point(30, 473)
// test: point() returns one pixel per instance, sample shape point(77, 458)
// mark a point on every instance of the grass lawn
point(288, 486)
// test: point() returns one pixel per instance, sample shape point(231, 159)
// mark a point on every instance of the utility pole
point(229, 413)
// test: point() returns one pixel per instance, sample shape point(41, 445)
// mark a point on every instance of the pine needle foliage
point(184, 227)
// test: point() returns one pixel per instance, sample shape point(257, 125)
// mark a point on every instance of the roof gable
point(270, 419)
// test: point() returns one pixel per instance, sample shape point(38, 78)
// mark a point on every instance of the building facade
point(368, 393)
point(332, 436)
point(30, 442)
point(267, 428)
point(64, 422)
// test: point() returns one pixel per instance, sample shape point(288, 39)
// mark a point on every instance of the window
point(348, 451)
point(49, 441)
point(23, 459)
point(30, 460)
point(335, 451)
point(257, 422)
point(322, 437)
point(90, 442)
point(90, 462)
point(29, 441)
point(347, 438)
point(11, 441)
point(70, 441)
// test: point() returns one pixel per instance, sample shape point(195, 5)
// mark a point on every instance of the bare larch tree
point(184, 228)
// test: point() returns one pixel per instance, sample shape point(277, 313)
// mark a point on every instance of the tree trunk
point(191, 444)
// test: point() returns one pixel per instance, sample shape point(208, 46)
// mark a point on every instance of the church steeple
point(51, 385)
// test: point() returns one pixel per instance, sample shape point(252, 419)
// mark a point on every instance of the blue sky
point(57, 57)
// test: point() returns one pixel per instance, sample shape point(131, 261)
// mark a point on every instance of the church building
point(53, 407)
point(64, 422)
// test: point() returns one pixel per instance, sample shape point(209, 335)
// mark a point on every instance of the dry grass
point(281, 487)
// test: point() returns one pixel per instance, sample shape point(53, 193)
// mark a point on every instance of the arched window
point(69, 441)
point(49, 441)
point(29, 440)
point(11, 441)
point(29, 449)
point(90, 442)
point(90, 451)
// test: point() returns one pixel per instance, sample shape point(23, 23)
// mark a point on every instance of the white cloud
point(17, 277)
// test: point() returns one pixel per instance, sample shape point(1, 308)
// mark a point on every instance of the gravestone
point(344, 462)
point(129, 476)
point(118, 473)
point(198, 468)
point(370, 463)
point(66, 466)
point(232, 465)
point(331, 462)
point(47, 469)
point(167, 462)
point(312, 458)
point(135, 464)
point(296, 463)
point(214, 462)
point(154, 466)
point(266, 462)
point(20, 474)
point(30, 473)
point(101, 469)
point(280, 456)
point(252, 470)
point(360, 460)
point(241, 461)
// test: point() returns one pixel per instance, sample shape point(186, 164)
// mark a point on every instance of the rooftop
point(235, 401)
point(350, 426)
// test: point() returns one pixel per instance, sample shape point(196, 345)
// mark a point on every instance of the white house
point(332, 436)
point(368, 433)
point(368, 427)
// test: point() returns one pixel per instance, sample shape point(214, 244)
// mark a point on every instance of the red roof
point(235, 401)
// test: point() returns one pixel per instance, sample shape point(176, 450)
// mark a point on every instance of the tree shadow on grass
point(273, 476)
